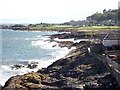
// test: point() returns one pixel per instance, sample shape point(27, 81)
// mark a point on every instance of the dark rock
point(24, 82)
point(32, 65)
point(75, 71)
point(75, 35)
point(17, 66)
point(41, 70)
point(32, 86)
point(65, 44)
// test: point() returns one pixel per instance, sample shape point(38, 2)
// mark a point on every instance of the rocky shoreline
point(76, 71)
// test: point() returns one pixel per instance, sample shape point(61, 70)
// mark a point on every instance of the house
point(112, 40)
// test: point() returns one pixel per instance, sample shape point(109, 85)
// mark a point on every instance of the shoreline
point(20, 67)
point(64, 29)
point(75, 71)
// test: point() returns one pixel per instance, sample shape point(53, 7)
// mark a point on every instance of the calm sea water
point(21, 47)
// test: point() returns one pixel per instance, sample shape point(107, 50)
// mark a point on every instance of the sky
point(51, 11)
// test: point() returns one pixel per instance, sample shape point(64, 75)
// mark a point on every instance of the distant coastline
point(62, 28)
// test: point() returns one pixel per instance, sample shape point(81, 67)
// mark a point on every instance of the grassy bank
point(100, 28)
point(50, 27)
point(68, 27)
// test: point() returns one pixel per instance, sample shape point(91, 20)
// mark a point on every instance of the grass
point(52, 27)
point(55, 27)
point(100, 28)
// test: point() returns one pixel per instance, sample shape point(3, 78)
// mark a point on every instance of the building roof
point(114, 35)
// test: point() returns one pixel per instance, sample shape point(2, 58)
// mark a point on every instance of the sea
point(25, 47)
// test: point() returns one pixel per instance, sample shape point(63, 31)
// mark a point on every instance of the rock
point(74, 34)
point(14, 87)
point(75, 71)
point(24, 82)
point(32, 65)
point(65, 44)
point(60, 36)
point(41, 70)
point(17, 66)
point(32, 86)
point(14, 83)
point(54, 45)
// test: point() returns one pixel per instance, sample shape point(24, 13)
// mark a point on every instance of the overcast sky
point(51, 11)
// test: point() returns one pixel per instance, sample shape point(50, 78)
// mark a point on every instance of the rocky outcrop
point(28, 81)
point(17, 66)
point(75, 71)
point(75, 35)
point(32, 65)
point(65, 44)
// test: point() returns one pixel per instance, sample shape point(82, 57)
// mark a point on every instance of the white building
point(112, 40)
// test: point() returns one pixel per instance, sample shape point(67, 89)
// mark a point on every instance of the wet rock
point(32, 65)
point(61, 36)
point(74, 34)
point(75, 71)
point(65, 44)
point(17, 66)
point(54, 45)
